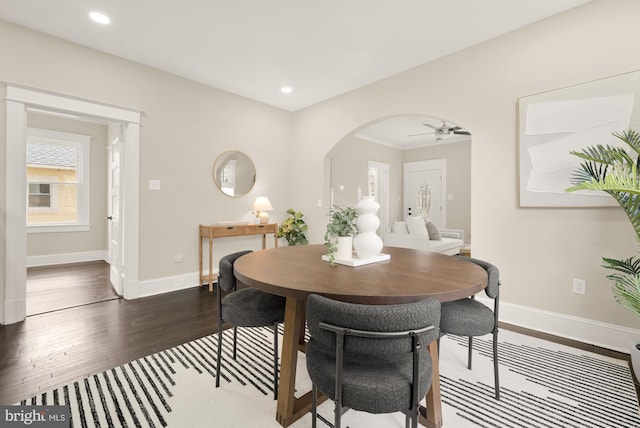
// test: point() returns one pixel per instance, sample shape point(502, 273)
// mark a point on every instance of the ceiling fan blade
point(424, 133)
point(431, 126)
point(461, 131)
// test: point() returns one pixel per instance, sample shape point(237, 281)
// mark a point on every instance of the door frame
point(17, 100)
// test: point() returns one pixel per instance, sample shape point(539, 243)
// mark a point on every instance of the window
point(39, 195)
point(57, 181)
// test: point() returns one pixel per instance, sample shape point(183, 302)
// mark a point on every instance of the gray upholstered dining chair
point(469, 317)
point(245, 307)
point(371, 358)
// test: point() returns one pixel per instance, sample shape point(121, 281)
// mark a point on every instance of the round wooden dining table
point(408, 276)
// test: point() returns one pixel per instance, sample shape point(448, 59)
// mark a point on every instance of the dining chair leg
point(235, 341)
point(470, 350)
point(275, 360)
point(495, 365)
point(219, 354)
point(314, 404)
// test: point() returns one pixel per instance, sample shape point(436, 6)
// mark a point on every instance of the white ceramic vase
point(344, 248)
point(367, 243)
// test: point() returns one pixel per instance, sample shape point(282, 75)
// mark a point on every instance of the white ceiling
point(253, 47)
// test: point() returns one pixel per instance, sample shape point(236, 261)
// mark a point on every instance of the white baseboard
point(14, 311)
point(610, 336)
point(64, 258)
point(155, 286)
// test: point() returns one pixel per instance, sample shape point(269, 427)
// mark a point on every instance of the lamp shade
point(262, 203)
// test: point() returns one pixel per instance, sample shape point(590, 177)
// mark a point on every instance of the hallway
point(51, 288)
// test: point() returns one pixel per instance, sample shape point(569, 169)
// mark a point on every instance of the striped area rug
point(542, 385)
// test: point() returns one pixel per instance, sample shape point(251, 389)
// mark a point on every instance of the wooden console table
point(211, 232)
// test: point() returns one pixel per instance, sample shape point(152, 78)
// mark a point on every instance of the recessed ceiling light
point(100, 18)
point(286, 89)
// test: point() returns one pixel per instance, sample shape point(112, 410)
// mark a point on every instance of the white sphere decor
point(367, 243)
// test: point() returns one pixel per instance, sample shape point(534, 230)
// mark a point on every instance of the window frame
point(83, 144)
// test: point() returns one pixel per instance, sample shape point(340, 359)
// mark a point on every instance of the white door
point(116, 260)
point(432, 175)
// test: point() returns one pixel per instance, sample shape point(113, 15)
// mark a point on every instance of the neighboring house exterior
point(52, 179)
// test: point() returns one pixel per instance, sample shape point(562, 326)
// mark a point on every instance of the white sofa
point(450, 243)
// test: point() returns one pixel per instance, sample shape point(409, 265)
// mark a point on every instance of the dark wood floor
point(56, 347)
point(51, 288)
point(59, 346)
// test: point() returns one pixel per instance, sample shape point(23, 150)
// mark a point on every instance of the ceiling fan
point(443, 131)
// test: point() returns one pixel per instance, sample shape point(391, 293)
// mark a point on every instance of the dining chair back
point(469, 317)
point(245, 307)
point(371, 358)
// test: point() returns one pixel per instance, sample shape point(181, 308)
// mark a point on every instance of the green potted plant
point(293, 228)
point(340, 232)
point(614, 171)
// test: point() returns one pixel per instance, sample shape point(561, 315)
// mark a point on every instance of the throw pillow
point(400, 227)
point(434, 233)
point(416, 226)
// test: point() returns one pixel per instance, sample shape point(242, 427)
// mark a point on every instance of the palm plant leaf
point(614, 171)
point(607, 155)
point(628, 296)
point(630, 266)
point(626, 282)
point(631, 137)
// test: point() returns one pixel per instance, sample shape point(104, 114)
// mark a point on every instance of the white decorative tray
point(359, 262)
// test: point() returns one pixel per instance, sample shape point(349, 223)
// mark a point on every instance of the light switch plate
point(154, 184)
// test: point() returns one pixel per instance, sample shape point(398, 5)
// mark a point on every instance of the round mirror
point(234, 173)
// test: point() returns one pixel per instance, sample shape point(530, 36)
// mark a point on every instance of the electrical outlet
point(579, 286)
point(178, 258)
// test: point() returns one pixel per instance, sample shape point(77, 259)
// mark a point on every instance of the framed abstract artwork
point(552, 124)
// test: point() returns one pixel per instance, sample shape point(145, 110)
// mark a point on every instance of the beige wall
point(349, 169)
point(185, 126)
point(539, 251)
point(96, 238)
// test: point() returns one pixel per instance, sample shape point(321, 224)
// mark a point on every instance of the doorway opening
point(394, 141)
point(69, 170)
point(18, 101)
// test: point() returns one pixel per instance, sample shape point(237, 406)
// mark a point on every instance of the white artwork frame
point(552, 123)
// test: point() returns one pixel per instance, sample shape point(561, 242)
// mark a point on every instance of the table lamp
point(260, 208)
